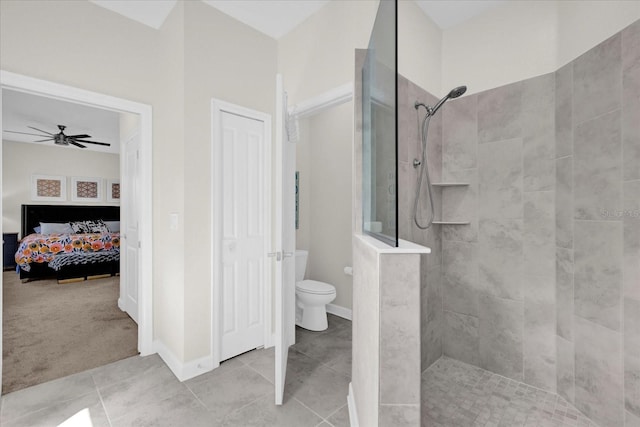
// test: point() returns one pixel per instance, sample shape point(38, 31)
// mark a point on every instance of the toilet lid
point(315, 287)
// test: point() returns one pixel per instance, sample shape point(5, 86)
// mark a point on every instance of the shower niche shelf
point(452, 222)
point(450, 184)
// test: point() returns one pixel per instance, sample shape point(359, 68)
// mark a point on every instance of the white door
point(243, 233)
point(129, 231)
point(285, 242)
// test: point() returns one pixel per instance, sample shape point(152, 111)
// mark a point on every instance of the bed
point(67, 254)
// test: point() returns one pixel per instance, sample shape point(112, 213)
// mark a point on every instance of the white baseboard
point(339, 311)
point(270, 341)
point(183, 371)
point(351, 404)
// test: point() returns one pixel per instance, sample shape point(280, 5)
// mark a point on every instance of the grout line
point(196, 397)
point(337, 410)
point(104, 407)
point(333, 413)
point(243, 406)
point(323, 364)
point(611, 221)
point(575, 125)
point(311, 410)
point(259, 373)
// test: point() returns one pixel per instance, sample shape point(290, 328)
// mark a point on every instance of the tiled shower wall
point(598, 230)
point(499, 271)
point(431, 272)
point(543, 286)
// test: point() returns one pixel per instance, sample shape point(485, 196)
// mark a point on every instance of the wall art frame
point(86, 189)
point(49, 188)
point(113, 190)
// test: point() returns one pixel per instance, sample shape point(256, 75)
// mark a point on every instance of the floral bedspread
point(41, 248)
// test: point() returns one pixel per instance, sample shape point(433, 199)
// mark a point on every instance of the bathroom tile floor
point(457, 394)
point(142, 391)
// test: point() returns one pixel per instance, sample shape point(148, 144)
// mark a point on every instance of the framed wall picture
point(85, 189)
point(113, 190)
point(49, 188)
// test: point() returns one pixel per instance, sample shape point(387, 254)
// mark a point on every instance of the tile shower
point(543, 285)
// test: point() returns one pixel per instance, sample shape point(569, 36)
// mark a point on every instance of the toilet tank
point(301, 264)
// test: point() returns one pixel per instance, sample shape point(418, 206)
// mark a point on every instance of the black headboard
point(33, 215)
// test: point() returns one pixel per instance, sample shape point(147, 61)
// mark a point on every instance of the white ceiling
point(149, 12)
point(20, 110)
point(276, 18)
point(447, 14)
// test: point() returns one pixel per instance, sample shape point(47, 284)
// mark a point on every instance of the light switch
point(173, 221)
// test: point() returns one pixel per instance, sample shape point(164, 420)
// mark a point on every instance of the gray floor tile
point(263, 362)
point(251, 356)
point(157, 383)
point(226, 366)
point(320, 388)
point(336, 322)
point(142, 391)
point(44, 395)
point(263, 412)
point(300, 364)
point(457, 394)
point(56, 414)
point(123, 369)
point(341, 362)
point(329, 348)
point(340, 418)
point(182, 409)
point(231, 390)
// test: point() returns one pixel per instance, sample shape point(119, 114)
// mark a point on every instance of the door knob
point(278, 255)
point(288, 254)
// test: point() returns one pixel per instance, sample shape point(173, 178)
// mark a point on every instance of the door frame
point(219, 106)
point(23, 83)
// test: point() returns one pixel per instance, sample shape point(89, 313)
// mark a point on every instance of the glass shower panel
point(379, 99)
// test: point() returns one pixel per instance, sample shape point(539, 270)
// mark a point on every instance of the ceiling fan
point(61, 138)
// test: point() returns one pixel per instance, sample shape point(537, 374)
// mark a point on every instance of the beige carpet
point(51, 330)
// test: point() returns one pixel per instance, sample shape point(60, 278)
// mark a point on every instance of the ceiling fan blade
point(76, 144)
point(23, 133)
point(93, 142)
point(45, 140)
point(43, 131)
point(79, 136)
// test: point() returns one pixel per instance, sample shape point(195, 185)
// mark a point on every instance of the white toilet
point(312, 297)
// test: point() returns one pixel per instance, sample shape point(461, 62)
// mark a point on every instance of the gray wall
point(544, 285)
point(408, 149)
point(598, 230)
point(499, 271)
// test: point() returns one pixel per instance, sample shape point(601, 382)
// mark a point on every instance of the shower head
point(456, 92)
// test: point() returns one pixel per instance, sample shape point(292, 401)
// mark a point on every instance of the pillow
point(96, 226)
point(37, 229)
point(113, 226)
point(78, 226)
point(55, 228)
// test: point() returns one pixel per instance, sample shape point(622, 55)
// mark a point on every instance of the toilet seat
point(315, 287)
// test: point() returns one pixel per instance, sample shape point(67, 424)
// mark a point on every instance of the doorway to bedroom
point(73, 199)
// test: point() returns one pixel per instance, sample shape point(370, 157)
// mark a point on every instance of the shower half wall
point(543, 285)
